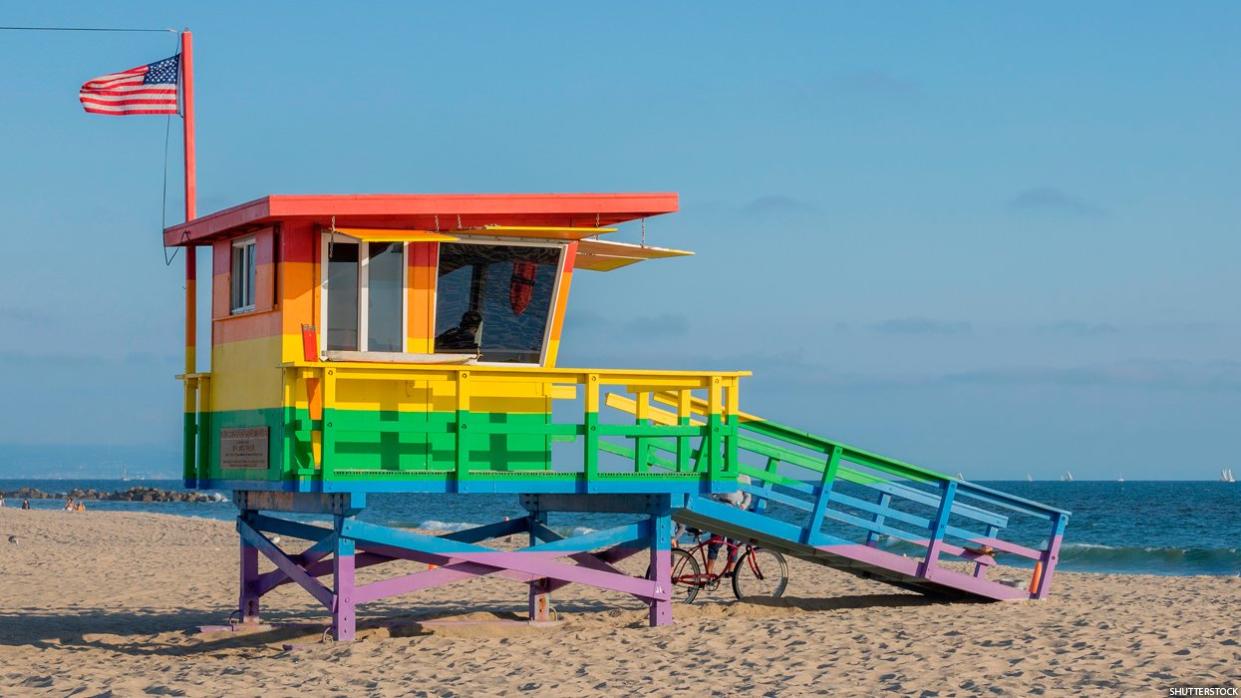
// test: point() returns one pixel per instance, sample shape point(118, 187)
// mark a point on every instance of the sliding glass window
point(365, 288)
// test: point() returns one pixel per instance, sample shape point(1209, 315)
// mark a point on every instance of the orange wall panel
point(561, 304)
point(420, 322)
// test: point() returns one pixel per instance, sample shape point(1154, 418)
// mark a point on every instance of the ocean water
point(1167, 528)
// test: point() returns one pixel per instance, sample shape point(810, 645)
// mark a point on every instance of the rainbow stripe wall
point(248, 390)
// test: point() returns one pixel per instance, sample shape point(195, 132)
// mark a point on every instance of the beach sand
point(95, 602)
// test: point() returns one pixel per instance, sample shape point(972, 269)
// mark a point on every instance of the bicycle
point(758, 572)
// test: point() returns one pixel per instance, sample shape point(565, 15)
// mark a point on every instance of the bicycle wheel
point(686, 573)
point(760, 574)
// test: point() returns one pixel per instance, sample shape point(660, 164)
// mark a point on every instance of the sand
point(102, 603)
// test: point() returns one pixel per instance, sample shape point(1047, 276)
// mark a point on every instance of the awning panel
point(394, 235)
point(598, 255)
point(534, 231)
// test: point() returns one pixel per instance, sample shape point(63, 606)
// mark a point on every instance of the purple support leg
point(344, 618)
point(540, 589)
point(248, 600)
point(661, 563)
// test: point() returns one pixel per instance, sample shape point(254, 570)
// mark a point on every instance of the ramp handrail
point(803, 473)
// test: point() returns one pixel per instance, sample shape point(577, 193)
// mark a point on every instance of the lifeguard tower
point(408, 343)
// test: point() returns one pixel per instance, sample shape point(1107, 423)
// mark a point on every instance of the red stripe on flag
point(124, 102)
point(135, 91)
point(101, 82)
point(130, 112)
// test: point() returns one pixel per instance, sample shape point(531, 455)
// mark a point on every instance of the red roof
point(421, 211)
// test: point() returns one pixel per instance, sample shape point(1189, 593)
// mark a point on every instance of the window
point(241, 294)
point(385, 296)
point(275, 268)
point(495, 300)
point(342, 296)
point(365, 289)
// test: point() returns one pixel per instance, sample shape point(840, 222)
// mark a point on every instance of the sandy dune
point(107, 603)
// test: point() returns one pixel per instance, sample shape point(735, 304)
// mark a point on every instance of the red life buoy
point(521, 286)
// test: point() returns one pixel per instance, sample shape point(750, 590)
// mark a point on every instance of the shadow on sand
point(175, 632)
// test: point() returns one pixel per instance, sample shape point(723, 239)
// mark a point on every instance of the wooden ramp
point(859, 559)
point(823, 501)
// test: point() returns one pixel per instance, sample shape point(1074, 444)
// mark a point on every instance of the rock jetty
point(133, 494)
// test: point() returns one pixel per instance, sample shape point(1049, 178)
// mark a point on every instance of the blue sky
point(981, 237)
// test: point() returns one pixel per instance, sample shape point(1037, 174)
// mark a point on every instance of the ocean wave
point(1150, 559)
point(445, 526)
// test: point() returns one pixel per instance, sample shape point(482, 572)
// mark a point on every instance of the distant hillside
point(88, 461)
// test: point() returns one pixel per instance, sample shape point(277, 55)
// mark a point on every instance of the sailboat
point(1067, 477)
point(1120, 478)
point(1028, 478)
point(1226, 475)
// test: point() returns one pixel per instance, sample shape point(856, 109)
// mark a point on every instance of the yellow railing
point(458, 407)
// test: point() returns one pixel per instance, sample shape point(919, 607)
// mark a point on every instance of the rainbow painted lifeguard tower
point(407, 343)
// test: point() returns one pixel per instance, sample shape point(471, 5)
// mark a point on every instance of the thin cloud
point(1072, 328)
point(665, 325)
point(642, 327)
point(1211, 376)
point(22, 316)
point(777, 205)
point(872, 83)
point(921, 326)
point(1053, 201)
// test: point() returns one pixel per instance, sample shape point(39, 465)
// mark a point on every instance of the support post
point(344, 618)
point(190, 467)
point(462, 462)
point(641, 445)
point(590, 438)
point(938, 527)
point(661, 559)
point(813, 530)
point(713, 443)
point(769, 484)
point(248, 600)
point(1051, 556)
point(540, 589)
point(684, 447)
point(872, 537)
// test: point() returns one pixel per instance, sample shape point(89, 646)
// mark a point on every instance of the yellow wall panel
point(245, 375)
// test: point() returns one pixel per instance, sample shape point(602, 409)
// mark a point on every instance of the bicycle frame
point(699, 551)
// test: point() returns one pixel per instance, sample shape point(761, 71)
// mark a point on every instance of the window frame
point(364, 276)
point(251, 275)
point(495, 241)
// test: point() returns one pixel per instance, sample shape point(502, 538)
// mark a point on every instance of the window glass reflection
point(494, 300)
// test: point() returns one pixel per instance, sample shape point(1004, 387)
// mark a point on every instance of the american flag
point(147, 89)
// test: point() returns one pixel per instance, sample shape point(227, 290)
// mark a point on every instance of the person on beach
point(81, 506)
point(1, 501)
point(69, 504)
point(25, 503)
point(740, 499)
